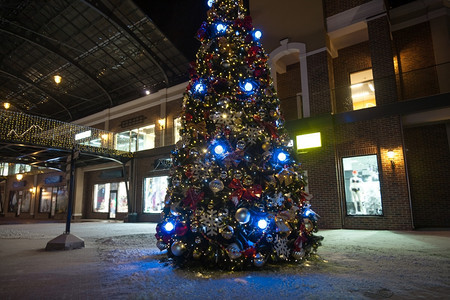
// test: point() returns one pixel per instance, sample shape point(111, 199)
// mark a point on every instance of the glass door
point(113, 204)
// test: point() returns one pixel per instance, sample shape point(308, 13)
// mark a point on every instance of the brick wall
point(288, 85)
point(428, 159)
point(416, 61)
point(351, 59)
point(333, 7)
point(322, 182)
point(319, 84)
point(377, 137)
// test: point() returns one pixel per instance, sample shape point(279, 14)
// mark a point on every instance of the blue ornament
point(211, 2)
point(200, 88)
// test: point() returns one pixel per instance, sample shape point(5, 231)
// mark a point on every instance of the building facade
point(370, 80)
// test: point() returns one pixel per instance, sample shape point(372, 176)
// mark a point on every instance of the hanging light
point(19, 177)
point(6, 105)
point(57, 79)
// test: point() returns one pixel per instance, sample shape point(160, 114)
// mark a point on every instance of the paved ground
point(120, 261)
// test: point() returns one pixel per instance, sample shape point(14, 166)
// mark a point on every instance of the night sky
point(179, 20)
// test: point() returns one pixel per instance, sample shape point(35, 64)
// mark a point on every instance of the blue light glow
point(282, 157)
point(221, 28)
point(257, 34)
point(168, 226)
point(262, 224)
point(211, 2)
point(307, 212)
point(200, 88)
point(219, 150)
point(248, 87)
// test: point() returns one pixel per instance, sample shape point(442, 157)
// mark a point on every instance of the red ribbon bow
point(243, 193)
point(192, 198)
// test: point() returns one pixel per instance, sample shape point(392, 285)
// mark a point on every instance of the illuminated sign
point(82, 135)
point(306, 141)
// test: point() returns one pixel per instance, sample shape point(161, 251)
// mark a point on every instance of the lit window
point(176, 129)
point(363, 90)
point(137, 139)
point(154, 193)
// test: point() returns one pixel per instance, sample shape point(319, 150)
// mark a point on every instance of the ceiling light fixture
point(6, 105)
point(57, 79)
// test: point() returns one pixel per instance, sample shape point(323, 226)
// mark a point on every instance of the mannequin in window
point(356, 192)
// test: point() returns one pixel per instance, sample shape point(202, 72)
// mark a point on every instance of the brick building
point(371, 79)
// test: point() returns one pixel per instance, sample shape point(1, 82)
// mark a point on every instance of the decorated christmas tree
point(236, 195)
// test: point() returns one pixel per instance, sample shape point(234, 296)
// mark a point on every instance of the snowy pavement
point(120, 261)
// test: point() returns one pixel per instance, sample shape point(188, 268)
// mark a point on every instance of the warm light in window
point(57, 79)
point(311, 140)
point(105, 136)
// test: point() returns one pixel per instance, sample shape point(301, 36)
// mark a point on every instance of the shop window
point(137, 139)
point(21, 168)
point(362, 185)
point(110, 198)
point(4, 169)
point(53, 200)
point(154, 193)
point(362, 89)
point(176, 129)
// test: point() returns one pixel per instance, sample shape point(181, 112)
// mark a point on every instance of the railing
point(17, 127)
point(409, 85)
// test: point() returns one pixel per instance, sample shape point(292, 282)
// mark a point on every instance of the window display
point(110, 198)
point(154, 193)
point(362, 185)
point(53, 200)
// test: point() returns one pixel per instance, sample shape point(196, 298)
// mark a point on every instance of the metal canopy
point(106, 51)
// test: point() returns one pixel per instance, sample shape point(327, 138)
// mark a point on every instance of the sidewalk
point(120, 261)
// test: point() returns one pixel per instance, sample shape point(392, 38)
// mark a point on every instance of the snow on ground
point(352, 265)
point(120, 261)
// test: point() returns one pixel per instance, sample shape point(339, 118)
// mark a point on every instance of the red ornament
point(181, 229)
point(248, 23)
point(189, 117)
point(250, 252)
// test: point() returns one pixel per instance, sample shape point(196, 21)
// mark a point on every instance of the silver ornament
point(258, 260)
point(234, 251)
point(298, 254)
point(238, 174)
point(269, 238)
point(161, 245)
point(242, 215)
point(178, 248)
point(216, 185)
point(227, 232)
point(194, 151)
point(198, 240)
point(240, 145)
point(223, 174)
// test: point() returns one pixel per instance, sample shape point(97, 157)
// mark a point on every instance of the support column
point(382, 56)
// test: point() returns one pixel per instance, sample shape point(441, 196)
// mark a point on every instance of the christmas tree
point(236, 195)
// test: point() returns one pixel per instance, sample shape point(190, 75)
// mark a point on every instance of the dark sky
point(179, 20)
